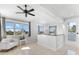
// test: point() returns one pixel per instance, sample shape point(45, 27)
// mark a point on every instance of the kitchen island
point(51, 41)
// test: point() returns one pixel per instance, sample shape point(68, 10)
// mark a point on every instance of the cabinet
point(51, 41)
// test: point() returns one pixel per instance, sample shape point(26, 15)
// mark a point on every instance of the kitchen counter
point(51, 41)
point(52, 35)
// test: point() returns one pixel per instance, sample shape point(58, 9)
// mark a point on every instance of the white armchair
point(8, 43)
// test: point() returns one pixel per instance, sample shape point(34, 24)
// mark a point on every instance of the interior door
point(72, 31)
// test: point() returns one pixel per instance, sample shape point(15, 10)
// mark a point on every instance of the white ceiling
point(63, 10)
point(9, 10)
point(60, 10)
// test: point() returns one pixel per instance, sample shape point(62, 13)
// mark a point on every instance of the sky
point(72, 23)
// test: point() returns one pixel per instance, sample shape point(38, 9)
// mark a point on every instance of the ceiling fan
point(25, 11)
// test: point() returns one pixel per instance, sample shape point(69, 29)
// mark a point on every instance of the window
point(18, 29)
point(25, 28)
point(72, 27)
point(52, 29)
point(9, 26)
point(40, 29)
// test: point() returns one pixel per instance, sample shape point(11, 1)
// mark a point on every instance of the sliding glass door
point(72, 31)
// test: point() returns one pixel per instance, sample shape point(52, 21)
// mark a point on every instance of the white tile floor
point(35, 49)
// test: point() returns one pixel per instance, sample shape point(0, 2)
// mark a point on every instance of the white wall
point(43, 16)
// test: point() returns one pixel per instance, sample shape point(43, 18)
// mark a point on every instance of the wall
point(43, 16)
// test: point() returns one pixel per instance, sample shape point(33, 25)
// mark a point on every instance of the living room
point(38, 29)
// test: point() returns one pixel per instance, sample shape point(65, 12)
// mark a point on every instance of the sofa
point(8, 43)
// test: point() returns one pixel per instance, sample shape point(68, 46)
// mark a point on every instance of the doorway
point(72, 31)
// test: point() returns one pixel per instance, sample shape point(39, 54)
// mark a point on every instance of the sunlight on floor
point(25, 48)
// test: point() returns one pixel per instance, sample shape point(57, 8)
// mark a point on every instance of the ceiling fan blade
point(25, 7)
point(30, 10)
point(19, 12)
point(31, 14)
point(20, 8)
